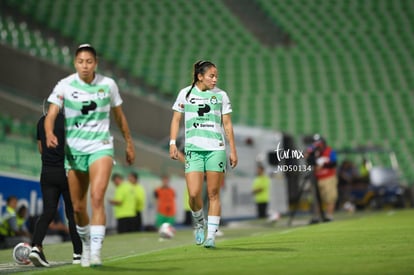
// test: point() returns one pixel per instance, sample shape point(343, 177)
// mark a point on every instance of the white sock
point(212, 226)
point(198, 216)
point(84, 234)
point(97, 237)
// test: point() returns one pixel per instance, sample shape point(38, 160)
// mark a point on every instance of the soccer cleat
point(209, 243)
point(95, 261)
point(199, 234)
point(76, 258)
point(86, 255)
point(38, 258)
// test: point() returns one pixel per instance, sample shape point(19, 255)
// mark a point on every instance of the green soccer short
point(202, 161)
point(83, 162)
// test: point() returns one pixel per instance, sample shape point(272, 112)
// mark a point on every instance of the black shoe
point(38, 258)
point(327, 219)
point(314, 221)
point(76, 258)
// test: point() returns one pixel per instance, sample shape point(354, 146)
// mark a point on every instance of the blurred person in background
point(140, 199)
point(53, 183)
point(166, 208)
point(88, 99)
point(21, 217)
point(10, 234)
point(347, 175)
point(124, 204)
point(206, 110)
point(364, 170)
point(261, 191)
point(326, 176)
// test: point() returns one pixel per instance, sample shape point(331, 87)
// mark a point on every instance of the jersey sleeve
point(116, 99)
point(226, 105)
point(56, 97)
point(179, 102)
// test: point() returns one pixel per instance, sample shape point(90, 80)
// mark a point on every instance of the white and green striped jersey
point(203, 112)
point(87, 112)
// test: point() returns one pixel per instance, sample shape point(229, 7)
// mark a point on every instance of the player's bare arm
point(51, 139)
point(174, 128)
point(122, 123)
point(228, 129)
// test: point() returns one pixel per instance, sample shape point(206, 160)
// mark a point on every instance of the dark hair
point(86, 48)
point(134, 175)
point(115, 176)
point(260, 166)
point(21, 209)
point(10, 198)
point(200, 67)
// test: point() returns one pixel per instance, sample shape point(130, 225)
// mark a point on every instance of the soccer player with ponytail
point(206, 110)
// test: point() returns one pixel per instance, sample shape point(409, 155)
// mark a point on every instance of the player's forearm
point(50, 120)
point(123, 126)
point(126, 132)
point(175, 126)
point(48, 126)
point(228, 129)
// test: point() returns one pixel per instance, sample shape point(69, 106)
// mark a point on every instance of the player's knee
point(97, 200)
point(213, 196)
point(78, 207)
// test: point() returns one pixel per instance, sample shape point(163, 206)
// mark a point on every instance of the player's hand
point(233, 160)
point(51, 141)
point(173, 151)
point(130, 153)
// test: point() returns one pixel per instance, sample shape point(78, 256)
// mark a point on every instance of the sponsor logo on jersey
point(88, 106)
point(203, 109)
point(194, 100)
point(202, 125)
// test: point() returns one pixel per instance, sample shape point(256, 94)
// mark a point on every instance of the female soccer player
point(206, 110)
point(88, 99)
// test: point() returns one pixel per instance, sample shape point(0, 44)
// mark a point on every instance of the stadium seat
point(347, 73)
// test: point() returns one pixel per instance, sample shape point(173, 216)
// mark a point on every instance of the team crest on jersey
point(101, 94)
point(213, 100)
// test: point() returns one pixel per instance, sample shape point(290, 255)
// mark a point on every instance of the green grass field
point(363, 243)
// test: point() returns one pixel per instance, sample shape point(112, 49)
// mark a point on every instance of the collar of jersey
point(84, 83)
point(200, 91)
